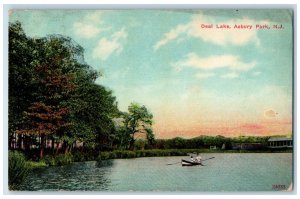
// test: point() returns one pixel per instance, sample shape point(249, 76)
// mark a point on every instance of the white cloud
point(231, 75)
point(171, 35)
point(106, 47)
point(85, 30)
point(90, 26)
point(217, 36)
point(214, 62)
point(204, 75)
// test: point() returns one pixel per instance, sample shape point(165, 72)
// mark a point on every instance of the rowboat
point(190, 163)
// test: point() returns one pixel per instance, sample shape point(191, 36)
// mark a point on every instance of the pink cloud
point(231, 130)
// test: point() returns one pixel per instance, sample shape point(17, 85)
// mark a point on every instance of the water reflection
point(226, 172)
point(86, 176)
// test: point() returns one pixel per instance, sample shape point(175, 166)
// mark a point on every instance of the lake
point(226, 172)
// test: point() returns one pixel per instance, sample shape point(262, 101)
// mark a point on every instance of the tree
point(21, 73)
point(53, 94)
point(92, 110)
point(48, 113)
point(137, 120)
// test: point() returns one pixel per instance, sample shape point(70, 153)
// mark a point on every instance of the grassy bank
point(34, 164)
point(177, 152)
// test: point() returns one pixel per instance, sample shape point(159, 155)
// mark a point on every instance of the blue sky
point(194, 80)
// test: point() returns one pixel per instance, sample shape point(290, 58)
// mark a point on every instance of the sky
point(194, 79)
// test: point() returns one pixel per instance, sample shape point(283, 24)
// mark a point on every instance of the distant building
point(280, 142)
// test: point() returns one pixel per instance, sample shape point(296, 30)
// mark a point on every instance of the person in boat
point(198, 159)
point(192, 159)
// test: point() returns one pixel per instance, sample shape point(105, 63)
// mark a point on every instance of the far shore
point(178, 152)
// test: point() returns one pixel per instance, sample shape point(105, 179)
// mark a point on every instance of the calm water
point(226, 172)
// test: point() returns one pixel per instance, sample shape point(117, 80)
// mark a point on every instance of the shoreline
point(126, 154)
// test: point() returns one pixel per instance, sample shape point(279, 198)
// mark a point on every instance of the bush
point(63, 159)
point(79, 156)
point(18, 169)
point(34, 164)
point(104, 156)
point(140, 144)
point(146, 153)
point(128, 154)
point(49, 160)
point(59, 160)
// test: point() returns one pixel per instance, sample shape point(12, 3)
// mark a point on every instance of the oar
point(174, 163)
point(208, 158)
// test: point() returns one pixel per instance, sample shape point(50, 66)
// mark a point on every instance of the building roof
point(280, 139)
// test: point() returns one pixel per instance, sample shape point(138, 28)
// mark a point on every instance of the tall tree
point(41, 80)
point(21, 73)
point(137, 120)
point(48, 113)
point(92, 110)
point(53, 94)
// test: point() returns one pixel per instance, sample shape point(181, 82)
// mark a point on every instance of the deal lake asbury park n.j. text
point(242, 26)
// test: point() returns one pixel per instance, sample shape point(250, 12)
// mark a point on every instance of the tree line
point(53, 98)
point(200, 142)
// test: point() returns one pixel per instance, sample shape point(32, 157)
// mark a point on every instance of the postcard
point(150, 100)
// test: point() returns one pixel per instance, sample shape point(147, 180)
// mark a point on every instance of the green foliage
point(144, 153)
point(87, 155)
point(79, 157)
point(105, 156)
point(53, 93)
point(58, 160)
point(49, 160)
point(202, 142)
point(34, 165)
point(18, 169)
point(129, 154)
point(140, 144)
point(137, 120)
point(63, 159)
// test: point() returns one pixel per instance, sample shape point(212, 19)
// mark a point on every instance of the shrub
point(34, 164)
point(59, 160)
point(118, 154)
point(49, 160)
point(79, 156)
point(129, 154)
point(140, 144)
point(139, 153)
point(104, 156)
point(63, 159)
point(18, 169)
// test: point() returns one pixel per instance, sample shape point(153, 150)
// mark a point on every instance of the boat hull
point(189, 163)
